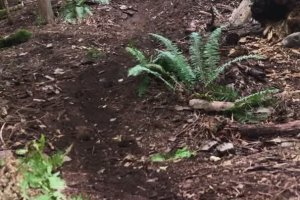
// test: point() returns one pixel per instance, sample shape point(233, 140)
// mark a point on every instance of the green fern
point(174, 61)
point(76, 10)
point(222, 93)
point(254, 100)
point(215, 73)
point(167, 43)
point(244, 108)
point(143, 86)
point(140, 69)
point(138, 55)
point(196, 53)
point(172, 67)
point(211, 54)
point(177, 65)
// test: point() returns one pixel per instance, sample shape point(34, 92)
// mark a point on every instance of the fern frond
point(140, 69)
point(211, 50)
point(196, 53)
point(222, 93)
point(221, 69)
point(255, 99)
point(169, 45)
point(177, 65)
point(143, 86)
point(138, 55)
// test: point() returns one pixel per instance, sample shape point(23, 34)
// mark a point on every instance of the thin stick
point(1, 133)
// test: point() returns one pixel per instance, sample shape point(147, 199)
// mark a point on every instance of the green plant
point(172, 156)
point(75, 10)
point(40, 20)
point(94, 54)
point(172, 67)
point(40, 180)
point(20, 36)
point(244, 107)
point(150, 68)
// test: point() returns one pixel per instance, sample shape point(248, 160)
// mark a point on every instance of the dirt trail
point(94, 106)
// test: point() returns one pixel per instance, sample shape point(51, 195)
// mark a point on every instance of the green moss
point(3, 14)
point(20, 36)
point(94, 54)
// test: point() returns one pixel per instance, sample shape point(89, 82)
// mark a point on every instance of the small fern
point(254, 100)
point(216, 72)
point(143, 86)
point(177, 65)
point(138, 55)
point(196, 52)
point(140, 69)
point(172, 67)
point(167, 43)
point(211, 54)
point(76, 10)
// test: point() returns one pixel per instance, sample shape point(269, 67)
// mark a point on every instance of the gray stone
point(292, 40)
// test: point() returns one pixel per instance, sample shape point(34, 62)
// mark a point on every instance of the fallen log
point(3, 12)
point(268, 130)
point(215, 106)
point(241, 14)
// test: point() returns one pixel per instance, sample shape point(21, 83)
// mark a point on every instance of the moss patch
point(20, 36)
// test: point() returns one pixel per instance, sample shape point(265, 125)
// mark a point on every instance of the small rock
point(214, 158)
point(287, 144)
point(124, 16)
point(123, 7)
point(59, 71)
point(292, 40)
point(113, 119)
point(225, 147)
point(208, 145)
point(49, 46)
point(3, 111)
point(130, 12)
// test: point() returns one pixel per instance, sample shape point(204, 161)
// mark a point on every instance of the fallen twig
point(1, 133)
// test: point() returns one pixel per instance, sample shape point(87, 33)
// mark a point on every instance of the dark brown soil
point(58, 92)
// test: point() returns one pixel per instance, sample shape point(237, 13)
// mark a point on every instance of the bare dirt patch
point(93, 105)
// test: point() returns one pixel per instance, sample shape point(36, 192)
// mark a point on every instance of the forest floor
point(48, 86)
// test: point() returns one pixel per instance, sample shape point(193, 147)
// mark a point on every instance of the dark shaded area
point(265, 11)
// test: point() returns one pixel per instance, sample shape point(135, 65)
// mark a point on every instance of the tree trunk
point(45, 11)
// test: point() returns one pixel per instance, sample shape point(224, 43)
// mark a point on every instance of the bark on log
point(242, 14)
point(215, 106)
point(269, 130)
